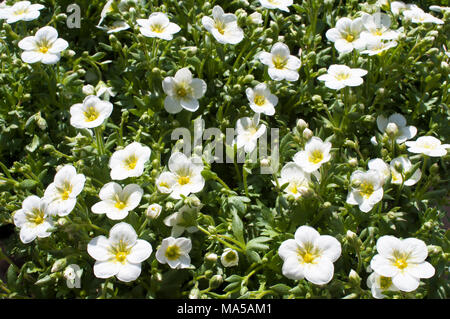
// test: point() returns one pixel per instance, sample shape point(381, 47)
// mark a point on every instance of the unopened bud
point(215, 281)
point(59, 265)
point(211, 257)
point(153, 211)
point(307, 133)
point(392, 130)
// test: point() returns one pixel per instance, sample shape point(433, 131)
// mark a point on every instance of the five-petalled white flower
point(248, 131)
point(62, 193)
point(261, 99)
point(229, 257)
point(119, 255)
point(315, 154)
point(403, 260)
point(366, 189)
point(117, 202)
point(339, 76)
point(33, 219)
point(377, 284)
point(44, 46)
point(395, 126)
point(310, 255)
point(91, 113)
point(129, 162)
point(183, 91)
point(21, 11)
point(276, 4)
point(158, 26)
point(175, 252)
point(401, 168)
point(428, 145)
point(346, 35)
point(282, 65)
point(296, 178)
point(223, 26)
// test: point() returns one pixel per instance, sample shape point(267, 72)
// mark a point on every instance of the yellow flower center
point(120, 252)
point(164, 184)
point(173, 252)
point(183, 90)
point(315, 156)
point(308, 256)
point(157, 28)
point(220, 26)
point(378, 32)
point(230, 256)
point(342, 76)
point(19, 12)
point(131, 162)
point(401, 263)
point(260, 100)
point(349, 38)
point(183, 180)
point(91, 114)
point(120, 204)
point(121, 256)
point(36, 216)
point(293, 188)
point(279, 61)
point(43, 49)
point(385, 282)
point(366, 189)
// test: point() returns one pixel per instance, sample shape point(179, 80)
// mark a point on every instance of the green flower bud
point(215, 281)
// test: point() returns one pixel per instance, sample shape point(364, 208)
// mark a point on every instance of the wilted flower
point(277, 4)
point(223, 26)
point(339, 76)
point(117, 202)
point(129, 162)
point(400, 167)
point(175, 252)
point(21, 11)
point(248, 131)
point(44, 46)
point(403, 260)
point(346, 35)
point(297, 179)
point(428, 145)
point(183, 91)
point(282, 65)
point(33, 219)
point(315, 154)
point(366, 189)
point(62, 193)
point(182, 220)
point(261, 99)
point(158, 26)
point(119, 255)
point(309, 255)
point(91, 113)
point(229, 257)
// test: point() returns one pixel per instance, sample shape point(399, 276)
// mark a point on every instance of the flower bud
point(194, 293)
point(153, 211)
point(307, 133)
point(59, 265)
point(88, 89)
point(354, 278)
point(211, 257)
point(353, 162)
point(301, 125)
point(256, 18)
point(392, 130)
point(265, 162)
point(215, 281)
point(169, 206)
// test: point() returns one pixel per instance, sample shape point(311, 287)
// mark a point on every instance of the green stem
point(99, 140)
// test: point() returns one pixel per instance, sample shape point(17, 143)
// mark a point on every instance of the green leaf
point(237, 227)
point(27, 184)
point(281, 289)
point(257, 243)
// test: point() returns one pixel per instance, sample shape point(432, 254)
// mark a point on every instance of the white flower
point(183, 91)
point(277, 4)
point(91, 113)
point(339, 76)
point(309, 255)
point(73, 273)
point(101, 89)
point(417, 15)
point(106, 9)
point(403, 261)
point(44, 46)
point(282, 65)
point(398, 6)
point(229, 257)
point(175, 252)
point(428, 145)
point(315, 154)
point(129, 162)
point(378, 284)
point(297, 179)
point(379, 165)
point(346, 35)
point(400, 167)
point(62, 193)
point(158, 26)
point(261, 99)
point(21, 11)
point(182, 220)
point(117, 202)
point(223, 26)
point(119, 255)
point(378, 46)
point(256, 18)
point(248, 132)
point(153, 211)
point(33, 219)
point(184, 177)
point(439, 9)
point(397, 127)
point(117, 26)
point(366, 189)
point(165, 181)
point(377, 27)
